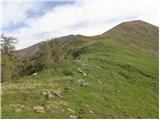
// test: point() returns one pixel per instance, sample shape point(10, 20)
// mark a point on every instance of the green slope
point(115, 75)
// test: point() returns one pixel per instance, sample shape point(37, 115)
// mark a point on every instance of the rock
point(39, 109)
point(57, 93)
point(73, 117)
point(99, 82)
point(47, 94)
point(87, 105)
point(118, 91)
point(80, 81)
point(83, 83)
point(84, 74)
point(34, 74)
point(44, 93)
point(18, 110)
point(69, 109)
point(22, 106)
point(80, 70)
point(50, 96)
point(98, 67)
point(91, 112)
point(62, 110)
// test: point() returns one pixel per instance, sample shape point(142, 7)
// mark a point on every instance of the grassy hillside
point(114, 75)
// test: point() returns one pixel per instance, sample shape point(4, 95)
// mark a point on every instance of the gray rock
point(91, 112)
point(57, 93)
point(69, 109)
point(83, 83)
point(39, 109)
point(73, 117)
point(34, 74)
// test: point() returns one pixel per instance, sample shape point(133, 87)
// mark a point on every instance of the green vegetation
point(9, 58)
point(108, 76)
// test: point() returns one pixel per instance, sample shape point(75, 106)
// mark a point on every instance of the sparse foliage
point(8, 57)
point(45, 54)
point(7, 44)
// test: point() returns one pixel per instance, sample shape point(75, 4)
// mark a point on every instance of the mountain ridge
point(29, 51)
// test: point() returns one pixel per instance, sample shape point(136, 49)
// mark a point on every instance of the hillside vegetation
point(113, 75)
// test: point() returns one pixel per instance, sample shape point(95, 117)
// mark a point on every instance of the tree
point(7, 44)
point(7, 68)
point(7, 57)
point(45, 54)
point(57, 48)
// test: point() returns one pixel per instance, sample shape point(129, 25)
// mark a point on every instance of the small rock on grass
point(87, 105)
point(34, 74)
point(99, 81)
point(118, 91)
point(22, 106)
point(39, 109)
point(91, 112)
point(73, 117)
point(69, 109)
point(62, 110)
point(18, 110)
point(57, 93)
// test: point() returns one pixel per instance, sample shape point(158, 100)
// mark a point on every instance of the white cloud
point(16, 12)
point(83, 17)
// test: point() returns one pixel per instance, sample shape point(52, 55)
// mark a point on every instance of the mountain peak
point(138, 26)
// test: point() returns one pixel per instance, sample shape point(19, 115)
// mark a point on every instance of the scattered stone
point(83, 83)
point(87, 105)
point(84, 64)
point(57, 93)
point(98, 67)
point(52, 94)
point(91, 112)
point(39, 109)
point(73, 117)
point(80, 70)
point(44, 93)
point(62, 110)
point(118, 91)
point(99, 82)
point(80, 81)
point(34, 74)
point(22, 106)
point(84, 74)
point(69, 109)
point(18, 110)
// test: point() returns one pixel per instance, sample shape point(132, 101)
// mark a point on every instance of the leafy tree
point(7, 57)
point(7, 68)
point(57, 48)
point(45, 54)
point(7, 44)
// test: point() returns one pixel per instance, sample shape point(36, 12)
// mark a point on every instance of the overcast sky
point(32, 21)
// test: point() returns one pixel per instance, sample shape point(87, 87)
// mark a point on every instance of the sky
point(32, 21)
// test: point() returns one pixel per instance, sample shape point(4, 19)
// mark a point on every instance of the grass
point(122, 83)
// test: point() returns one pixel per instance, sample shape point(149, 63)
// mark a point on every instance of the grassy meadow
point(112, 77)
